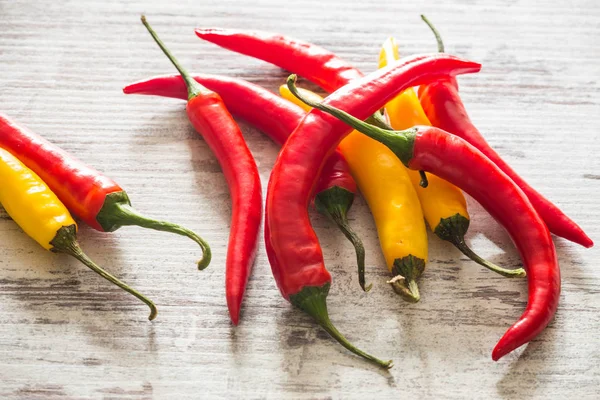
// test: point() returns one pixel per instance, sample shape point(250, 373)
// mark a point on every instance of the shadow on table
point(52, 300)
point(521, 380)
point(299, 334)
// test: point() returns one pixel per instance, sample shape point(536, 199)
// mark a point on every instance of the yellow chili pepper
point(444, 205)
point(384, 182)
point(42, 216)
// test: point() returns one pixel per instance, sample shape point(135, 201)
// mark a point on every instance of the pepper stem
point(437, 35)
point(453, 229)
point(117, 212)
point(334, 203)
point(423, 182)
point(65, 242)
point(129, 216)
point(400, 142)
point(509, 273)
point(194, 88)
point(312, 300)
point(342, 223)
point(407, 270)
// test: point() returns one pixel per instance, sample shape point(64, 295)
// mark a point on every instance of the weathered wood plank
point(64, 333)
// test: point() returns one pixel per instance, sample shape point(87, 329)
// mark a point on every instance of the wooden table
point(66, 333)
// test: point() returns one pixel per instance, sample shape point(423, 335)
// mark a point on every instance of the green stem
point(454, 228)
point(424, 182)
point(509, 273)
point(342, 223)
point(194, 88)
point(117, 211)
point(65, 242)
point(129, 216)
point(407, 270)
point(312, 300)
point(437, 35)
point(334, 203)
point(400, 142)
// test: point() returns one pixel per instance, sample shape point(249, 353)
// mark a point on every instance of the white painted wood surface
point(65, 333)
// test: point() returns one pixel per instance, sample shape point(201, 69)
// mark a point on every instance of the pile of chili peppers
point(411, 154)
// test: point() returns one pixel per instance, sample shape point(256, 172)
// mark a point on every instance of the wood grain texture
point(65, 333)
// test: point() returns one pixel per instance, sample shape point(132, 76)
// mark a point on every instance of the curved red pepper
point(444, 108)
point(292, 246)
point(434, 151)
point(273, 48)
point(209, 116)
point(274, 115)
point(453, 159)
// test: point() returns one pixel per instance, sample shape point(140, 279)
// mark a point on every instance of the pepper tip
point(234, 306)
point(587, 242)
point(153, 313)
point(496, 355)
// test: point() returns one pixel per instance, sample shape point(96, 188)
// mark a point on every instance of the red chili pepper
point(210, 117)
point(444, 108)
point(292, 246)
point(278, 118)
point(333, 71)
point(275, 116)
point(92, 197)
point(449, 157)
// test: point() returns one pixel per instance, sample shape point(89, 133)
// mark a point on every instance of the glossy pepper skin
point(446, 111)
point(277, 49)
point(444, 107)
point(42, 216)
point(277, 117)
point(453, 159)
point(209, 116)
point(443, 204)
point(91, 196)
point(387, 188)
point(292, 247)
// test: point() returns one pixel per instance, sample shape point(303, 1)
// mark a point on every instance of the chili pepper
point(443, 204)
point(263, 109)
point(274, 48)
point(42, 216)
point(444, 107)
point(278, 118)
point(94, 198)
point(210, 118)
point(453, 159)
point(292, 247)
point(387, 188)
